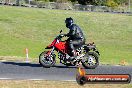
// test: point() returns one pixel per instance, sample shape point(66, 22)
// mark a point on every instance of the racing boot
point(73, 58)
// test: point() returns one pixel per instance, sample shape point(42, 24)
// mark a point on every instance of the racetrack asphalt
point(34, 71)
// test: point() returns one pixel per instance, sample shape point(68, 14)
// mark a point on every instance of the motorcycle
point(87, 54)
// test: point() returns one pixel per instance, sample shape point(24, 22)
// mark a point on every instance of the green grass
point(34, 28)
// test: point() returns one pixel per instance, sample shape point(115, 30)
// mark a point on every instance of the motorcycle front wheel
point(45, 60)
point(90, 60)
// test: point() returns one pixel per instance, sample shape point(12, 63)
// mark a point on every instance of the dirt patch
point(55, 84)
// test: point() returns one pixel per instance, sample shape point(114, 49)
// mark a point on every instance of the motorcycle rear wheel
point(91, 60)
point(47, 61)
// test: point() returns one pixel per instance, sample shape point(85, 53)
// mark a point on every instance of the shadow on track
point(63, 66)
point(36, 65)
point(23, 64)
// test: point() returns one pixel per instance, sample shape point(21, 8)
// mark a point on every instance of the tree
point(101, 2)
point(112, 3)
point(61, 1)
point(92, 2)
point(85, 2)
point(17, 2)
point(43, 0)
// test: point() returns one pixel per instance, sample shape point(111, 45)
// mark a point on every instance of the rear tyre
point(45, 60)
point(90, 60)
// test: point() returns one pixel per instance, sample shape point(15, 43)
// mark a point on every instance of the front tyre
point(45, 60)
point(91, 60)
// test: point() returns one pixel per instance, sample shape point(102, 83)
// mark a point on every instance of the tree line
point(91, 2)
point(109, 3)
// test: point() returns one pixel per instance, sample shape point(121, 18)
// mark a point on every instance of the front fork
point(50, 54)
point(51, 51)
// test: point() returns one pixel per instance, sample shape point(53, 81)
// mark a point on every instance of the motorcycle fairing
point(62, 46)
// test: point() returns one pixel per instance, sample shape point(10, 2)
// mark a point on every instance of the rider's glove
point(65, 34)
point(62, 35)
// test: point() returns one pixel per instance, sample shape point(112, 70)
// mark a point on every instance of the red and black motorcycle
point(87, 54)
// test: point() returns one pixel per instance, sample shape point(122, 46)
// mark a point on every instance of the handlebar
point(60, 36)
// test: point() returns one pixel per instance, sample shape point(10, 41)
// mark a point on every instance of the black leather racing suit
point(76, 37)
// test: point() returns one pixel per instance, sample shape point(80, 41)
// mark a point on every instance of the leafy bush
point(112, 3)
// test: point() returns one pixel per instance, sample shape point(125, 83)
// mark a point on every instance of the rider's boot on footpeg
point(73, 55)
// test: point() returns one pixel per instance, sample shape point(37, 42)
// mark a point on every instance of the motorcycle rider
point(76, 37)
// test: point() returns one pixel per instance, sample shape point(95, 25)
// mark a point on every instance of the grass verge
point(55, 84)
point(35, 28)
